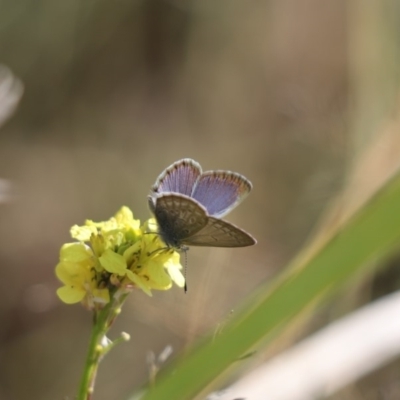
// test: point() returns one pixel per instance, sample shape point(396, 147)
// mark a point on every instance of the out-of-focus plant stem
point(98, 347)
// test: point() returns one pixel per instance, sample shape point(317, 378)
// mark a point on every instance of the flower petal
point(72, 273)
point(135, 248)
point(140, 282)
point(158, 278)
point(176, 275)
point(75, 252)
point(70, 294)
point(82, 233)
point(113, 262)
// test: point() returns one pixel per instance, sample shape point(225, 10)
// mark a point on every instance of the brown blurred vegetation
point(114, 93)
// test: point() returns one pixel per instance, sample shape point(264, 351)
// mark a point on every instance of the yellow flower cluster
point(111, 258)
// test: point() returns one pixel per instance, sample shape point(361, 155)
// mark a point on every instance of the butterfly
point(188, 205)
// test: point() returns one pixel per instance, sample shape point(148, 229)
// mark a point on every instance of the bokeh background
point(116, 91)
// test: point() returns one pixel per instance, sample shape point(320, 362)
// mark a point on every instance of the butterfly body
point(187, 205)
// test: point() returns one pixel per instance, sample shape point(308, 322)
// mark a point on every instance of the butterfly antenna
point(184, 272)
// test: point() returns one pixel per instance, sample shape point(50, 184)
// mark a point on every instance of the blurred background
point(114, 92)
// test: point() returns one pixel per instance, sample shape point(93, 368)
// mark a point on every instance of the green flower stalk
point(109, 260)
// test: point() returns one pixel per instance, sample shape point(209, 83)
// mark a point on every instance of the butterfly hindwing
point(178, 217)
point(219, 233)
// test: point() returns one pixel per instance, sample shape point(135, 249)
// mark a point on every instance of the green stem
point(100, 327)
point(97, 349)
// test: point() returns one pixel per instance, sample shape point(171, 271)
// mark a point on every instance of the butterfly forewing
point(219, 233)
point(180, 177)
point(178, 217)
point(221, 191)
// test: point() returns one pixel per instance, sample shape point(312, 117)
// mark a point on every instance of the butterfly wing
point(178, 217)
point(180, 177)
point(219, 233)
point(221, 191)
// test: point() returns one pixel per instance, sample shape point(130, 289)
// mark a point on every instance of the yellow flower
point(155, 266)
point(112, 258)
point(75, 271)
